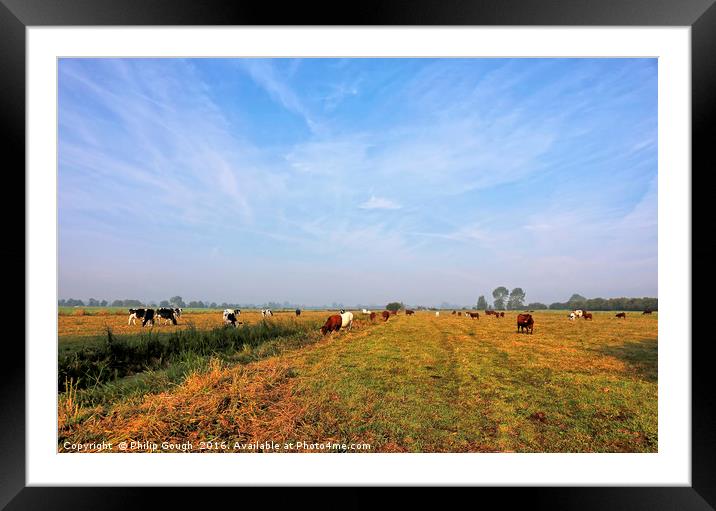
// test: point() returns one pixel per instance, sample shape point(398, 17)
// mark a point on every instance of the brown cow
point(372, 316)
point(408, 312)
point(525, 322)
point(459, 313)
point(621, 315)
point(647, 311)
point(587, 315)
point(386, 315)
point(393, 313)
point(453, 313)
point(502, 314)
point(474, 315)
point(489, 313)
point(333, 323)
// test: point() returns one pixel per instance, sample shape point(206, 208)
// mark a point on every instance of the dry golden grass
point(79, 324)
point(417, 384)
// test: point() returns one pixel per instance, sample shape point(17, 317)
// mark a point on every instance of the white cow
point(572, 315)
point(579, 313)
point(437, 313)
point(346, 320)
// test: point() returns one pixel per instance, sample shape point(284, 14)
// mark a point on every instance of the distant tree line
point(174, 301)
point(607, 304)
point(505, 299)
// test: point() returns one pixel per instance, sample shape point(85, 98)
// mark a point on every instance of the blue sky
point(357, 180)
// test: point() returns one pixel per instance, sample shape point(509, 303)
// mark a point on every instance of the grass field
point(414, 384)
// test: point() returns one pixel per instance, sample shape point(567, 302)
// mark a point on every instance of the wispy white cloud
point(265, 74)
point(379, 203)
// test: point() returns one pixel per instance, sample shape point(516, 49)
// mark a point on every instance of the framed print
point(259, 236)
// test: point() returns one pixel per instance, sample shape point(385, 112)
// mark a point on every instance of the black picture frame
point(700, 15)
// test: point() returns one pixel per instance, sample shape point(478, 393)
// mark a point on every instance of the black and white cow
point(177, 312)
point(266, 312)
point(134, 315)
point(230, 317)
point(148, 317)
point(167, 315)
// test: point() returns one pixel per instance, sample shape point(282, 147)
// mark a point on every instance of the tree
point(500, 294)
point(482, 303)
point(394, 306)
point(176, 301)
point(93, 302)
point(103, 303)
point(517, 299)
point(164, 303)
point(117, 303)
point(577, 301)
point(61, 302)
point(213, 305)
point(536, 306)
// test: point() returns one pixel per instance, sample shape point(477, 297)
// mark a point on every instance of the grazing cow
point(647, 311)
point(454, 312)
point(587, 315)
point(474, 315)
point(525, 323)
point(437, 313)
point(579, 313)
point(366, 311)
point(346, 320)
point(502, 314)
point(134, 315)
point(298, 312)
point(333, 323)
point(408, 312)
point(386, 315)
point(372, 316)
point(393, 313)
point(266, 312)
point(489, 313)
point(572, 316)
point(230, 318)
point(459, 313)
point(167, 314)
point(148, 317)
point(621, 315)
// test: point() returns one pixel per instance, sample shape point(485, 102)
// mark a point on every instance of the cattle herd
point(147, 316)
point(343, 320)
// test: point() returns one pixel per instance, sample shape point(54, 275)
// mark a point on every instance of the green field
point(413, 384)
